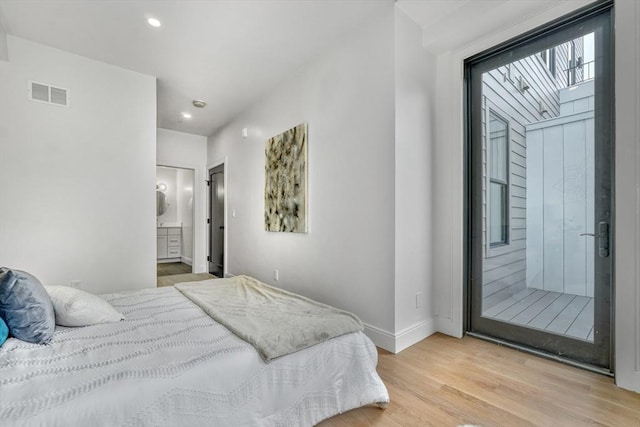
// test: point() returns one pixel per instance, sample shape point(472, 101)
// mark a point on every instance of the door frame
point(224, 162)
point(596, 15)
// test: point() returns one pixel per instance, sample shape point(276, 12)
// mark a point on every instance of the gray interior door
point(540, 189)
point(216, 221)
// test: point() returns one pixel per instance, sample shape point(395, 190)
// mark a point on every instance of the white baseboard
point(448, 327)
point(395, 343)
point(380, 338)
point(187, 261)
point(415, 334)
point(165, 260)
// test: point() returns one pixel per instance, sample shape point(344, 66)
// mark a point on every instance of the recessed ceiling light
point(154, 22)
point(186, 115)
point(199, 103)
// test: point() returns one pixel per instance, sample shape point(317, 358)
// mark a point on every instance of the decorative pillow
point(4, 332)
point(75, 307)
point(25, 307)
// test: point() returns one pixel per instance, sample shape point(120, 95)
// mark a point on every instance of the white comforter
point(169, 364)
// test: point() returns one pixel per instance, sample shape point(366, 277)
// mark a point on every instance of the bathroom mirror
point(161, 202)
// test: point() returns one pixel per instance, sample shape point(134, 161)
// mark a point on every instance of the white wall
point(627, 208)
point(4, 52)
point(76, 184)
point(185, 150)
point(449, 168)
point(347, 257)
point(415, 86)
point(184, 182)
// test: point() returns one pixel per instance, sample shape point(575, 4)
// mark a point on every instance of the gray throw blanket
point(274, 321)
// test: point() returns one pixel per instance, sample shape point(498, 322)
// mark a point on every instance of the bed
point(170, 364)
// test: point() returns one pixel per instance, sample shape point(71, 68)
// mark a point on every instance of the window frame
point(548, 59)
point(499, 248)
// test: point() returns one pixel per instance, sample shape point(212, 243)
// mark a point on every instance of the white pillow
point(75, 307)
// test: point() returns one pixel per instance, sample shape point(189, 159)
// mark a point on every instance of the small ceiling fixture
point(199, 103)
point(154, 22)
point(186, 115)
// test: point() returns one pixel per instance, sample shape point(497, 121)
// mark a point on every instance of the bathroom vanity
point(169, 244)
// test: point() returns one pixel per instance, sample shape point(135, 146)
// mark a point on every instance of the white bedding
point(170, 364)
point(274, 321)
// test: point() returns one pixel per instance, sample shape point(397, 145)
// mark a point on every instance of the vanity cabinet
point(169, 242)
point(162, 246)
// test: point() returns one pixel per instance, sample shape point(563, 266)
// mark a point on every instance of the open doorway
point(174, 220)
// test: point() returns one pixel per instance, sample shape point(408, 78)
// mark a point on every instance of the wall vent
point(42, 92)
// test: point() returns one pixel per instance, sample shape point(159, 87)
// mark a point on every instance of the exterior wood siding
point(504, 268)
point(560, 202)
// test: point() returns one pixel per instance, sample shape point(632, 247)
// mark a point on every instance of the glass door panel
point(540, 191)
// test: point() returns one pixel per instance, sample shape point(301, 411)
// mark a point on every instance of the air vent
point(48, 94)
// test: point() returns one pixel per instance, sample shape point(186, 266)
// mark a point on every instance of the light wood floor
point(179, 278)
point(172, 268)
point(563, 314)
point(444, 381)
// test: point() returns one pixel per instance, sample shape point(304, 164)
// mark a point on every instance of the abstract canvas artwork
point(285, 190)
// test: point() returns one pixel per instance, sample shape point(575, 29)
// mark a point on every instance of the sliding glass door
point(540, 189)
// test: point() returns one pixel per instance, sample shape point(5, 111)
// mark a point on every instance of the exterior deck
point(558, 313)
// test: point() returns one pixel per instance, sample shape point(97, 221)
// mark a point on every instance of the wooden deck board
point(507, 302)
point(527, 315)
point(546, 316)
point(553, 312)
point(564, 320)
point(583, 323)
point(519, 306)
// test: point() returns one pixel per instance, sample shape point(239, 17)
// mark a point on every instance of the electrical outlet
point(276, 275)
point(75, 284)
point(418, 299)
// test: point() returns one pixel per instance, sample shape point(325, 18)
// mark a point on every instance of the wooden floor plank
point(546, 316)
point(445, 381)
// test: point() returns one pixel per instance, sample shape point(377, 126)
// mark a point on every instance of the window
point(498, 180)
point(548, 57)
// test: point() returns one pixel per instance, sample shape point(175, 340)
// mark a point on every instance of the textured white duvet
point(169, 364)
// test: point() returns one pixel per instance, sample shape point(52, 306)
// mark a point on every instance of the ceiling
point(229, 52)
point(447, 24)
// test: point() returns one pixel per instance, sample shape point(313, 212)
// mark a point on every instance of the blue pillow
point(4, 331)
point(26, 307)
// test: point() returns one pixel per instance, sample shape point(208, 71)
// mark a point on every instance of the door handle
point(603, 238)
